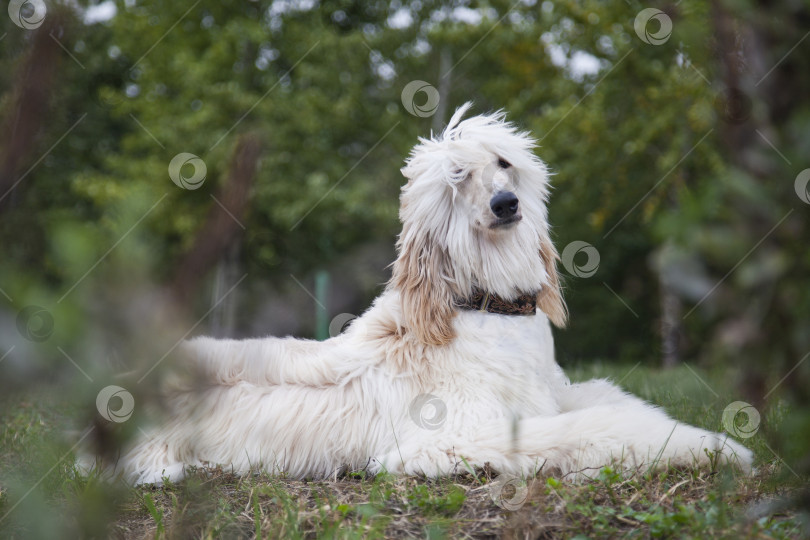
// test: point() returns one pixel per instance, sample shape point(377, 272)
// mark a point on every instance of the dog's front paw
point(719, 448)
point(694, 446)
point(430, 462)
point(380, 465)
point(733, 453)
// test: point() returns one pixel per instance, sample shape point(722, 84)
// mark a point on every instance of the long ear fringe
point(421, 274)
point(550, 299)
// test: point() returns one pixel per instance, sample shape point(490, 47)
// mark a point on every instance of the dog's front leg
point(634, 435)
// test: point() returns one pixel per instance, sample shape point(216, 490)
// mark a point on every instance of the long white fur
point(373, 397)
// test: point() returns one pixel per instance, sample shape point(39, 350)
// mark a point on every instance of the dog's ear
point(422, 274)
point(550, 299)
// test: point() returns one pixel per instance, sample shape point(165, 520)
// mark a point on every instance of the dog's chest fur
point(497, 367)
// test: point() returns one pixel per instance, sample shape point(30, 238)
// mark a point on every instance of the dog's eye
point(503, 164)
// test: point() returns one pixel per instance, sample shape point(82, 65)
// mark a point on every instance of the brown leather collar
point(491, 303)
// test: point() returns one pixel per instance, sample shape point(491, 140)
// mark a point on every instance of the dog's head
point(474, 216)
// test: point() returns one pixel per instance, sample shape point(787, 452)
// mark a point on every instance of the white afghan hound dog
point(452, 366)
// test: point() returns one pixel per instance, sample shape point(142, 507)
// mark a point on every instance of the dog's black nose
point(504, 204)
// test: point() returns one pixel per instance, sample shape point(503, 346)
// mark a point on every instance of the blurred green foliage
point(321, 88)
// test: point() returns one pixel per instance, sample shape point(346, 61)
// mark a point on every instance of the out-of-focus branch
point(756, 58)
point(25, 119)
point(221, 227)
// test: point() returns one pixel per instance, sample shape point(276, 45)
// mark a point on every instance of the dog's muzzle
point(505, 206)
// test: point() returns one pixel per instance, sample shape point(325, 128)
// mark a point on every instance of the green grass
point(41, 496)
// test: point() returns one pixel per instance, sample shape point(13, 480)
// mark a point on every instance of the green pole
point(321, 313)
